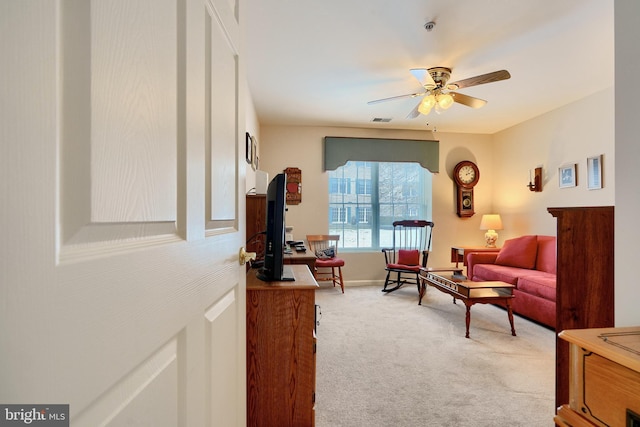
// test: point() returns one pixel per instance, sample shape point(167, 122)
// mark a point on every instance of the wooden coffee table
point(470, 292)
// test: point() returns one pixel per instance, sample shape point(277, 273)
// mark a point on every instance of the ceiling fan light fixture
point(438, 93)
point(427, 104)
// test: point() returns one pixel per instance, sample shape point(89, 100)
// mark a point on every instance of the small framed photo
point(254, 153)
point(248, 148)
point(567, 176)
point(594, 172)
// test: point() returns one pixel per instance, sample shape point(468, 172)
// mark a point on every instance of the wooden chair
point(410, 251)
point(328, 264)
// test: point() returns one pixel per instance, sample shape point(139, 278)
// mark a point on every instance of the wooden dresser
point(604, 379)
point(281, 350)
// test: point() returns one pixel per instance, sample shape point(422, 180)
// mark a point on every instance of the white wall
point(627, 93)
point(564, 136)
point(253, 127)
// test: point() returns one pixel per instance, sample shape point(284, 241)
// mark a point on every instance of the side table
point(459, 253)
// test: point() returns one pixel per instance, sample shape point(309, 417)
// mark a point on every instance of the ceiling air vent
point(381, 120)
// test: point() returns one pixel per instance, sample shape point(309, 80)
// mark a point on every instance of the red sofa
point(529, 263)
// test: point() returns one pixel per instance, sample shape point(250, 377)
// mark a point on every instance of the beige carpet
point(383, 360)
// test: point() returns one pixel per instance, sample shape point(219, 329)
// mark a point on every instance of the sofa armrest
point(474, 258)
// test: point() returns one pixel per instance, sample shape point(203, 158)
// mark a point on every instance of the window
point(383, 193)
point(364, 214)
point(337, 215)
point(339, 185)
point(363, 186)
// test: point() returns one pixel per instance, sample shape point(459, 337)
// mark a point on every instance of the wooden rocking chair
point(410, 251)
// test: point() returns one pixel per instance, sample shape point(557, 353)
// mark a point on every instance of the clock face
point(466, 174)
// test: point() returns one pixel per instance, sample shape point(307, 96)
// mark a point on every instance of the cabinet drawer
point(604, 390)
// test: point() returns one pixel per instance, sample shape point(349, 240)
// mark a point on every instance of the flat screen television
point(274, 269)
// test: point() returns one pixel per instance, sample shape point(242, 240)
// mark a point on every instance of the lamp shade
point(444, 100)
point(491, 222)
point(427, 103)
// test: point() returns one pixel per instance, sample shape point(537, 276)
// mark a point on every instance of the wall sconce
point(536, 184)
point(491, 223)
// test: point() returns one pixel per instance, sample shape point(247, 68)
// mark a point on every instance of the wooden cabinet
point(281, 347)
point(256, 211)
point(585, 286)
point(604, 378)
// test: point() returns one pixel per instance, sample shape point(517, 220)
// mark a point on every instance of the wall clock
point(466, 175)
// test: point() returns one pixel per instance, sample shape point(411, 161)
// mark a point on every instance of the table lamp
point(491, 223)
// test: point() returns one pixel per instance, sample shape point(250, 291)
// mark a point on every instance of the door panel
point(134, 51)
point(221, 114)
point(118, 116)
point(121, 289)
point(137, 393)
point(222, 367)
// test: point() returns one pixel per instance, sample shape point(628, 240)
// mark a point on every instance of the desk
point(308, 258)
point(459, 253)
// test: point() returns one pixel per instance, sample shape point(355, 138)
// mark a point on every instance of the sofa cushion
point(408, 257)
point(519, 252)
point(491, 272)
point(546, 258)
point(540, 284)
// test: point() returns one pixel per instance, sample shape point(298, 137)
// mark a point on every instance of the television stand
point(281, 350)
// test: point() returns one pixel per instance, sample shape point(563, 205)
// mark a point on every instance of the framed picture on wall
point(594, 172)
point(248, 148)
point(254, 153)
point(567, 176)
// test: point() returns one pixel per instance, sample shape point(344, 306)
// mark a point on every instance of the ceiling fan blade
point(467, 100)
point(424, 77)
point(496, 76)
point(393, 98)
point(414, 113)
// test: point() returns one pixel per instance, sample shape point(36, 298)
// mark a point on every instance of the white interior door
point(121, 292)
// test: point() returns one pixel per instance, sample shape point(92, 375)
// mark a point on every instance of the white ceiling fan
point(440, 94)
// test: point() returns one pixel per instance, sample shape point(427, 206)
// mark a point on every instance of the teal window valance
point(339, 150)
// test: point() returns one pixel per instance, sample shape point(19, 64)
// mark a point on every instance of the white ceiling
point(317, 63)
